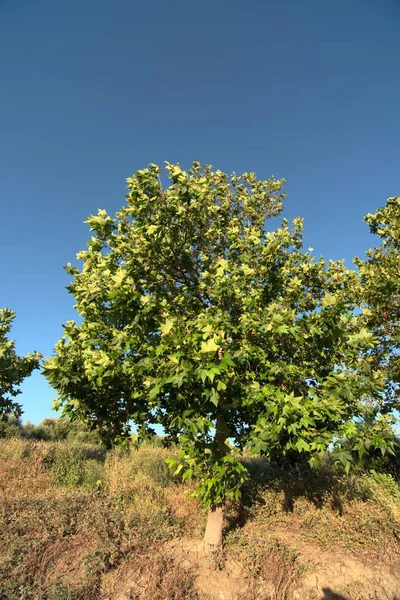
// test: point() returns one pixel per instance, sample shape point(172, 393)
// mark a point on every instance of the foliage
point(55, 430)
point(13, 368)
point(380, 278)
point(51, 430)
point(196, 317)
point(11, 427)
point(75, 465)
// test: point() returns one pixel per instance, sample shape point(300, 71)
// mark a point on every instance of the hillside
point(81, 524)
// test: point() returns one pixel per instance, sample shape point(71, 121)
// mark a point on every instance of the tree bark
point(212, 540)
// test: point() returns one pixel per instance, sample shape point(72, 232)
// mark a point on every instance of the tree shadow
point(329, 594)
point(312, 487)
point(296, 479)
point(236, 517)
point(299, 480)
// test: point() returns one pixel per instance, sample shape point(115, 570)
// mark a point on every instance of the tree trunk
point(212, 540)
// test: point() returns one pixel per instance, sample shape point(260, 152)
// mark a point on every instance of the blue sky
point(93, 90)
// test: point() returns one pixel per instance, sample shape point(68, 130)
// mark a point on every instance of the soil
point(330, 574)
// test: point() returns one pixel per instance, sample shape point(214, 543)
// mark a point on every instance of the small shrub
point(150, 460)
point(74, 465)
point(67, 465)
point(57, 430)
point(386, 481)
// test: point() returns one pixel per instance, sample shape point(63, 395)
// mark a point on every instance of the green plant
point(11, 427)
point(61, 429)
point(386, 480)
point(13, 368)
point(75, 465)
point(380, 293)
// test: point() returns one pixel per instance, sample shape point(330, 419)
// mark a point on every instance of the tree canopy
point(13, 368)
point(199, 317)
point(380, 292)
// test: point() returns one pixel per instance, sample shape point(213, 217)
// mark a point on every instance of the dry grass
point(152, 576)
point(77, 524)
point(67, 519)
point(18, 476)
point(124, 466)
point(358, 512)
point(273, 570)
point(305, 529)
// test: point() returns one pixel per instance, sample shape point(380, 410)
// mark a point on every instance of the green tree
point(11, 427)
point(380, 279)
point(55, 430)
point(13, 368)
point(196, 317)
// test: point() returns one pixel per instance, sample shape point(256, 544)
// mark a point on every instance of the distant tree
point(10, 427)
point(197, 318)
point(49, 430)
point(61, 429)
point(13, 368)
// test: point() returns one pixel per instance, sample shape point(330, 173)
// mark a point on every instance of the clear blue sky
point(92, 90)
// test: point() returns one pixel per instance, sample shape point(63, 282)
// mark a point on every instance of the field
point(78, 523)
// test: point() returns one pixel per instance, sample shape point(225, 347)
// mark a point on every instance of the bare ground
point(329, 574)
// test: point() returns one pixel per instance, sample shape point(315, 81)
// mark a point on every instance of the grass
point(80, 524)
point(70, 514)
point(355, 511)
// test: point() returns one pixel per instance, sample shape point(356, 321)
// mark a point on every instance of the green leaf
point(344, 457)
point(166, 327)
point(328, 300)
point(119, 277)
point(154, 391)
point(226, 362)
point(212, 372)
point(214, 396)
point(282, 329)
point(178, 469)
point(302, 445)
point(170, 462)
point(188, 474)
point(209, 346)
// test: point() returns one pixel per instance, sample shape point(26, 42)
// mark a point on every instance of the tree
point(196, 317)
point(55, 430)
point(13, 368)
point(11, 427)
point(380, 292)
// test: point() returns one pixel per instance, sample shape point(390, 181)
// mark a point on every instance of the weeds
point(273, 569)
point(73, 519)
point(82, 517)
